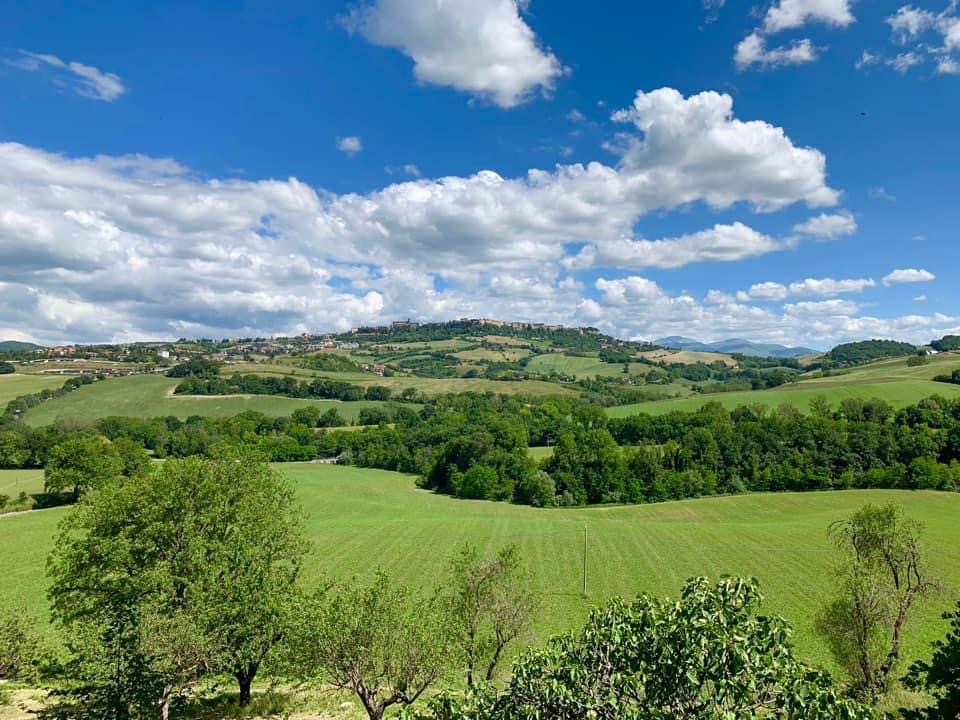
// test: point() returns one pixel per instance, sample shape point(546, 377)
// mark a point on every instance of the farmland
point(151, 396)
point(890, 380)
point(359, 520)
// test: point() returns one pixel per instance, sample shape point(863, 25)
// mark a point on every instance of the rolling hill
point(734, 345)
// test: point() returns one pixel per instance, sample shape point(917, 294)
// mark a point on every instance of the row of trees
point(288, 386)
point(7, 368)
point(953, 378)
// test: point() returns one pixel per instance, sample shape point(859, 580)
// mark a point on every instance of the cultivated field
point(890, 380)
point(17, 384)
point(398, 383)
point(14, 482)
point(360, 520)
point(151, 396)
point(581, 367)
point(688, 357)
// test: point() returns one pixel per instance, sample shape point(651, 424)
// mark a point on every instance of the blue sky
point(783, 171)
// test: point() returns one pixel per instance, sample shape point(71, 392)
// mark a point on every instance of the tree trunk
point(245, 680)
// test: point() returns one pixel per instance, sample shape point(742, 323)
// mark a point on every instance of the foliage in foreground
point(704, 656)
point(881, 576)
point(169, 576)
point(940, 677)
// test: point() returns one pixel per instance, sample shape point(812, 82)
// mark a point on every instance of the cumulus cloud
point(822, 287)
point(908, 275)
point(136, 247)
point(783, 15)
point(85, 80)
point(828, 227)
point(350, 145)
point(752, 51)
point(482, 48)
point(790, 14)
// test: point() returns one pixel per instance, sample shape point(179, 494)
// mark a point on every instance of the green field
point(581, 367)
point(428, 386)
point(361, 520)
point(16, 384)
point(890, 380)
point(150, 396)
point(14, 482)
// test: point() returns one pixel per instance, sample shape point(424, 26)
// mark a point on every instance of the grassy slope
point(13, 482)
point(360, 520)
point(430, 386)
point(17, 384)
point(147, 396)
point(581, 367)
point(890, 380)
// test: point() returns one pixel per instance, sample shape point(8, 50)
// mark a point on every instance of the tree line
point(286, 386)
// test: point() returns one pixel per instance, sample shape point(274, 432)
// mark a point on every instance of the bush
point(19, 646)
point(7, 368)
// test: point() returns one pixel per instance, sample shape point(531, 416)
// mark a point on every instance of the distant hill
point(734, 345)
point(16, 346)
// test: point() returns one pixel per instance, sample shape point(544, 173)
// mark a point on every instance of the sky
point(782, 171)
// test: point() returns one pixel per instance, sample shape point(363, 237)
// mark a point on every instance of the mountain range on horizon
point(735, 345)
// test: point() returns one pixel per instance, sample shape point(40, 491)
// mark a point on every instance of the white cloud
point(790, 14)
point(752, 51)
point(130, 247)
point(880, 193)
point(909, 275)
point(575, 116)
point(829, 286)
point(350, 145)
point(920, 298)
point(408, 169)
point(764, 291)
point(908, 24)
point(867, 59)
point(721, 243)
point(822, 307)
point(822, 287)
point(828, 227)
point(482, 48)
point(85, 80)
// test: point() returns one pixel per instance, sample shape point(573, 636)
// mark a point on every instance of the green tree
point(939, 678)
point(880, 575)
point(489, 606)
point(80, 464)
point(377, 641)
point(19, 646)
point(196, 548)
point(706, 656)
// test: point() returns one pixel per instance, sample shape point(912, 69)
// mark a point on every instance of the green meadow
point(16, 384)
point(361, 520)
point(890, 380)
point(152, 396)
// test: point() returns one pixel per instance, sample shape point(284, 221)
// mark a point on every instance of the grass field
point(581, 367)
point(14, 482)
point(361, 520)
point(16, 384)
point(890, 380)
point(428, 386)
point(149, 396)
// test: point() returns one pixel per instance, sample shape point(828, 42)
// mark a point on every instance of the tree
point(377, 641)
point(939, 678)
point(704, 656)
point(489, 606)
point(7, 368)
point(80, 464)
point(179, 571)
point(881, 575)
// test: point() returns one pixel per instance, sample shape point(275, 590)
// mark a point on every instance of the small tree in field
point(175, 573)
point(940, 677)
point(489, 605)
point(881, 576)
point(377, 641)
point(80, 464)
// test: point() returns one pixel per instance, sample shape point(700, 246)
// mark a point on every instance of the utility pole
point(584, 560)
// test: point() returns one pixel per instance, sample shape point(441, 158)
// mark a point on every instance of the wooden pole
point(584, 560)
